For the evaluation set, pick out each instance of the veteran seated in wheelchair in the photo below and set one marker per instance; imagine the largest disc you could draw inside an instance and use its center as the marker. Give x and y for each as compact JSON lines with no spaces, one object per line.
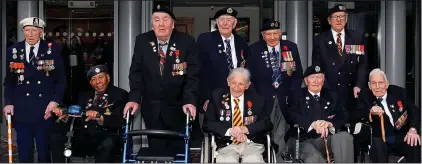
{"x":320,"y":117}
{"x":394,"y":121}
{"x":96,"y":134}
{"x":238,"y":119}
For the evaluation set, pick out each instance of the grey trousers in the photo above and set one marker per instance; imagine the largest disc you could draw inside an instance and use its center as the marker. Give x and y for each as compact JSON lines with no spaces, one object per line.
{"x":340,"y":146}
{"x":279,"y":129}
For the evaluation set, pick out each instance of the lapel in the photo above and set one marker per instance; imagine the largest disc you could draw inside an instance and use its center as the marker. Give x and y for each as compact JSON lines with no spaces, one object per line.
{"x":392,"y":105}
{"x":227,"y":115}
{"x":332,"y":49}
{"x":155,"y":54}
{"x":239,"y":50}
{"x":247,"y":102}
{"x":326,"y":102}
{"x":266,"y":57}
{"x":219,"y":44}
{"x":348,"y":40}
{"x":169,"y":59}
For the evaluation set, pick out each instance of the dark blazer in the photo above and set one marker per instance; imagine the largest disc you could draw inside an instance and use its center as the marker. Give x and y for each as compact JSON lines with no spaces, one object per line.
{"x":303,"y":109}
{"x":115,"y":98}
{"x":261,"y":72}
{"x":341,"y":73}
{"x":31,"y":96}
{"x":215,"y":69}
{"x":257,"y":128}
{"x":396,"y":97}
{"x":164,"y":94}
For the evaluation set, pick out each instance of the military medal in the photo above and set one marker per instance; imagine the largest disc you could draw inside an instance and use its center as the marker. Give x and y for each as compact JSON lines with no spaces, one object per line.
{"x":221,"y":114}
{"x":242,"y":64}
{"x":177,"y":52}
{"x":107,"y":112}
{"x":21,"y":56}
{"x":21,"y":78}
{"x":276,"y":84}
{"x":15,"y":56}
{"x":49,"y":48}
{"x":228,"y":115}
{"x":249,"y":108}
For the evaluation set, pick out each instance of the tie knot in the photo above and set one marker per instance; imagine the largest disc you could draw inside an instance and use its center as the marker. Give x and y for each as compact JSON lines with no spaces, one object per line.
{"x":236,"y":101}
{"x":273,"y":49}
{"x":32,"y":48}
{"x":339,"y":34}
{"x":380,"y":99}
{"x":227,"y":41}
{"x":162,"y":44}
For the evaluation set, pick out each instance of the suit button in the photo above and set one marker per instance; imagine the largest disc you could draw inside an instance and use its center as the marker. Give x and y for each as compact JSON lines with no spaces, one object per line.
{"x":273,"y":97}
{"x":350,"y":73}
{"x":339,"y":73}
{"x":85,"y":126}
{"x":351,"y":62}
{"x":334,"y":63}
{"x":338,"y":84}
{"x":27,"y":82}
{"x":27,"y":94}
{"x":40,"y":95}
{"x":350,"y":84}
{"x":39,"y":82}
{"x":227,"y":144}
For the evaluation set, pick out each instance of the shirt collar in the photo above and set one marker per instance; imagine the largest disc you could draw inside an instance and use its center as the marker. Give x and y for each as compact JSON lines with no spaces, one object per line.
{"x":313,"y":94}
{"x":231,"y":37}
{"x":384,"y":97}
{"x":167,"y":41}
{"x":240,"y":97}
{"x":35,"y":45}
{"x":335,"y":33}
{"x":277,"y":47}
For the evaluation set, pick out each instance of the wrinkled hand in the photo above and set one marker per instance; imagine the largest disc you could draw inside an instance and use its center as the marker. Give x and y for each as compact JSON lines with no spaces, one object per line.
{"x":322,"y":131}
{"x":412,"y":138}
{"x":58,"y":112}
{"x":129,"y":105}
{"x":236,"y":131}
{"x":192,"y":109}
{"x":321,"y":123}
{"x":244,"y":129}
{"x":377,"y":110}
{"x":50,"y":107}
{"x":205,"y":105}
{"x":63,"y":116}
{"x":242,"y":138}
{"x":7,"y":109}
{"x":356,"y":91}
{"x":92,"y":115}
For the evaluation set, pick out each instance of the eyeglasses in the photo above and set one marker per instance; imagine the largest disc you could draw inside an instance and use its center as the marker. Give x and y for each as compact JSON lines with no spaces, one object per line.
{"x":341,"y":17}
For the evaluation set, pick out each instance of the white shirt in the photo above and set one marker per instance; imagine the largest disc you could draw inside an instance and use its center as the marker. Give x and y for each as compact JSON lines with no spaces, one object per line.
{"x":341,"y":36}
{"x":28,"y":48}
{"x":386,"y":109}
{"x":277,"y":49}
{"x":332,"y":129}
{"x":233,"y":50}
{"x":241,"y":107}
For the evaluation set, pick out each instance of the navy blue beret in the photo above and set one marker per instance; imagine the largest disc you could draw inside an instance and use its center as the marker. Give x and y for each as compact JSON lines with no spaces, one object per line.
{"x":271,"y":25}
{"x":94,"y":70}
{"x":337,"y":8}
{"x":225,"y":11}
{"x":163,"y":10}
{"x":313,"y":69}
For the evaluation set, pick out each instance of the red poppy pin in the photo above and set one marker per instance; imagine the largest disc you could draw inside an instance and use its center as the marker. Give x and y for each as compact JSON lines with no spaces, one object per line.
{"x":249,"y":104}
{"x":400,"y":104}
{"x":50,"y":44}
{"x":177,"y":52}
{"x":285,"y":48}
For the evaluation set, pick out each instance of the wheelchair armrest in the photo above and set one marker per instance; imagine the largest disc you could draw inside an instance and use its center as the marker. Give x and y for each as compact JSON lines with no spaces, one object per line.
{"x":157,"y":133}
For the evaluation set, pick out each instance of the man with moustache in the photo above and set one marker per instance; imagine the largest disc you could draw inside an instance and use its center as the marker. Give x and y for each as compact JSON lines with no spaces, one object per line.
{"x":33,"y":88}
{"x":163,"y":79}
{"x":402,"y":120}
{"x":341,"y":52}
{"x":220,"y":52}
{"x":275,"y":67}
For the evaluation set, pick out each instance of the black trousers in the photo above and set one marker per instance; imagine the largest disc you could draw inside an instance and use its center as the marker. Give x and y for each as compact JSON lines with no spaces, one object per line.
{"x":381,"y":150}
{"x":163,"y":146}
{"x":361,"y":141}
{"x":103,"y":145}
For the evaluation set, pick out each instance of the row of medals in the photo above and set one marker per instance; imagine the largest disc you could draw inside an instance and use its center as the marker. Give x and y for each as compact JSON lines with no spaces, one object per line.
{"x":228,"y":112}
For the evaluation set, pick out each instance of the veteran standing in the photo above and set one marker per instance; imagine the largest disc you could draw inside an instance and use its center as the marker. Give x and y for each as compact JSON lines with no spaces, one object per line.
{"x":341,"y":53}
{"x":34,"y":87}
{"x":220,"y":51}
{"x":164,"y":74}
{"x":275,"y":67}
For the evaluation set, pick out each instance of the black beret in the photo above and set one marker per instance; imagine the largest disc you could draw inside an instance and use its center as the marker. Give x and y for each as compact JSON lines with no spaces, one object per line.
{"x":313,"y":69}
{"x":271,"y":25}
{"x":225,"y":11}
{"x":163,"y":10}
{"x":94,"y":70}
{"x":337,"y":8}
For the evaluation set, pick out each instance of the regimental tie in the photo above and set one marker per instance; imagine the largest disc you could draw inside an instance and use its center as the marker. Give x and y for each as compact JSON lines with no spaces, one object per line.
{"x":31,"y":55}
{"x":237,"y":119}
{"x":162,"y":57}
{"x":275,"y":62}
{"x":229,"y":54}
{"x":339,"y":44}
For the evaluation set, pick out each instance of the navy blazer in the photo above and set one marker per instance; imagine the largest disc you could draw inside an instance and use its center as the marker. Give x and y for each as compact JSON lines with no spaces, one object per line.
{"x":36,"y":87}
{"x":215,"y":69}
{"x":261,"y":72}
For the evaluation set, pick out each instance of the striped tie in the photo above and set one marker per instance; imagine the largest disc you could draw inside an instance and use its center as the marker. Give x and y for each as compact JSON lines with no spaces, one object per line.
{"x":229,"y":54}
{"x":237,"y":119}
{"x":339,"y":44}
{"x":162,"y":57}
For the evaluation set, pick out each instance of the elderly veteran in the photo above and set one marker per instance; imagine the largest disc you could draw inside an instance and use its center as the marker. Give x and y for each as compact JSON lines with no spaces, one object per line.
{"x":96,"y":136}
{"x":239,"y":119}
{"x":320,"y":115}
{"x":275,"y":67}
{"x":33,"y":87}
{"x":396,"y":120}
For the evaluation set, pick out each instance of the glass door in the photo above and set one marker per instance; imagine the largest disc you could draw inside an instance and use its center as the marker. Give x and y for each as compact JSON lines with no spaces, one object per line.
{"x":85,"y":32}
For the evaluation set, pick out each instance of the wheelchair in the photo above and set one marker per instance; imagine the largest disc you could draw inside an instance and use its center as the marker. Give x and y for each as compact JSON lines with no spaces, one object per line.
{"x":293,"y":156}
{"x":147,"y":157}
{"x":365,"y":149}
{"x":208,"y":146}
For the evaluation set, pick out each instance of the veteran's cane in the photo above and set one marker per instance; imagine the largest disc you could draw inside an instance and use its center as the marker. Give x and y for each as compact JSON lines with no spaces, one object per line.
{"x":9,"y":135}
{"x":326,"y":150}
{"x":382,"y":125}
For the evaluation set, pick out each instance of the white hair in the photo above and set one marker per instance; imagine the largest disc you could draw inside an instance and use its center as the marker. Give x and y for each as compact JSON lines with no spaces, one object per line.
{"x":240,"y":71}
{"x":375,"y":71}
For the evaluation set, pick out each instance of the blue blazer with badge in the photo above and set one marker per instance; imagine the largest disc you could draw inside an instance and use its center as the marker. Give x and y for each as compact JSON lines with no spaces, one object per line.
{"x":31,"y":86}
{"x":214,"y":71}
{"x":261,"y":71}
